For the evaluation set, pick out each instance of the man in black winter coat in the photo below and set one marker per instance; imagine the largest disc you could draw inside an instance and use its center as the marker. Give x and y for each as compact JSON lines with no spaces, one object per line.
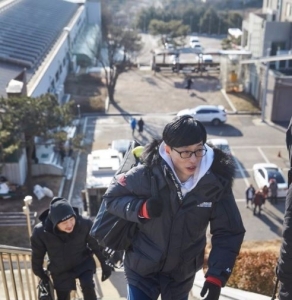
{"x":64,"y":236}
{"x":194,"y":190}
{"x":284,"y":270}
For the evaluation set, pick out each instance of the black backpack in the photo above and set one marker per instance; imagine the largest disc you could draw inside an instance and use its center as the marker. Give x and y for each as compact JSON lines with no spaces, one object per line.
{"x":112,"y":232}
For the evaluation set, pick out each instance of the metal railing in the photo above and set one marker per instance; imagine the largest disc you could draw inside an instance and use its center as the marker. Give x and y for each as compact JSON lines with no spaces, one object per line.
{"x":17,"y":279}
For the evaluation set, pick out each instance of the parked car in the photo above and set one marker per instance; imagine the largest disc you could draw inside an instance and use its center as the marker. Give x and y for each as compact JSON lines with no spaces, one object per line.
{"x":197,"y":47}
{"x":194,"y":40}
{"x":221,"y":144}
{"x":264,"y":172}
{"x":206,"y":114}
{"x":205,"y":58}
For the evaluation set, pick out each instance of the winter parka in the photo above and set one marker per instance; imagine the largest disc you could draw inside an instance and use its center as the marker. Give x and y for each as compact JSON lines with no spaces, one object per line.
{"x":69,"y":254}
{"x":173,"y":244}
{"x":285,"y":260}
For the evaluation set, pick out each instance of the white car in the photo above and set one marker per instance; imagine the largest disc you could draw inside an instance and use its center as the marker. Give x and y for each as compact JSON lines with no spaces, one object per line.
{"x":221,"y":144}
{"x":264,"y":172}
{"x":101,"y":167}
{"x":197,"y":47}
{"x":194,"y":40}
{"x":206,"y":114}
{"x":205,"y":58}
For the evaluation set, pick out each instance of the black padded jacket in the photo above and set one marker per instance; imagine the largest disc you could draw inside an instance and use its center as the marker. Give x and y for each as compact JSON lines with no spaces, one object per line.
{"x":173,"y":244}
{"x":69,"y":254}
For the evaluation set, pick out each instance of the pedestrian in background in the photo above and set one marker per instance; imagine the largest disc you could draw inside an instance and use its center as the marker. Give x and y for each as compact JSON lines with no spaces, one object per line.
{"x":258,"y":201}
{"x":273,"y":187}
{"x":133,"y":123}
{"x":265,"y":191}
{"x":64,"y":236}
{"x":140,"y":125}
{"x":189,"y":84}
{"x":249,"y":194}
{"x":194,"y":190}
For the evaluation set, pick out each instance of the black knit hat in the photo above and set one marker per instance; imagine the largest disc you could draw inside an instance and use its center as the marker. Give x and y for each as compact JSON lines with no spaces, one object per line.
{"x":184,"y":131}
{"x":60,"y":210}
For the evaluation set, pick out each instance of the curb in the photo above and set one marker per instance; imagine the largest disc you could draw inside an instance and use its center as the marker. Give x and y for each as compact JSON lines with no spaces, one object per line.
{"x":227,"y":293}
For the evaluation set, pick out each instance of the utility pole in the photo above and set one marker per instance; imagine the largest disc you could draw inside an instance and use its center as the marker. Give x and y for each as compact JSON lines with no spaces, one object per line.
{"x":219,"y":26}
{"x":264,"y":99}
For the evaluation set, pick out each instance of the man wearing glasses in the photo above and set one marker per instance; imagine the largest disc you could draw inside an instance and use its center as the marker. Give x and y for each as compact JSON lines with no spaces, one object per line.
{"x":194,"y":190}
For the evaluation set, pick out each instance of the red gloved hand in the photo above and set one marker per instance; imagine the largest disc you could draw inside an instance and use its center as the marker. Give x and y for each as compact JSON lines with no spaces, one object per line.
{"x":152,"y":208}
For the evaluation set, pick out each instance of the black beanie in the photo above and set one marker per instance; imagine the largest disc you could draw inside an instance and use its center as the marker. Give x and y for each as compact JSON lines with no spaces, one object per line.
{"x":60,"y":210}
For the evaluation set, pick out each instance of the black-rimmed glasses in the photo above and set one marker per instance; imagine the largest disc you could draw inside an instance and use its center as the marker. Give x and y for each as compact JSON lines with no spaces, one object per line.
{"x":187,"y":154}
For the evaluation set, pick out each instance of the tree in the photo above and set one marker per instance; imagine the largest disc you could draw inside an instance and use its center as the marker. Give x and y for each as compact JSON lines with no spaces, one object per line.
{"x":24,"y":118}
{"x":175,"y":31}
{"x":119,"y":44}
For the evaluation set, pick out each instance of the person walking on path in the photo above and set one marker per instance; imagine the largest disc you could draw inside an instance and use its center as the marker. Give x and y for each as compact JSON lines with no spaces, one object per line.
{"x":284,"y":266}
{"x":64,"y":236}
{"x":189,"y":84}
{"x":273,"y":187}
{"x":194,"y":190}
{"x":249,"y":194}
{"x":265,"y":191}
{"x":140,"y":125}
{"x":258,"y":201}
{"x":133,"y":123}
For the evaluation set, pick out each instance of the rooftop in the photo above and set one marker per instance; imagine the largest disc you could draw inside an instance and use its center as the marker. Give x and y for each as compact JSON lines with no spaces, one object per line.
{"x":22,"y":43}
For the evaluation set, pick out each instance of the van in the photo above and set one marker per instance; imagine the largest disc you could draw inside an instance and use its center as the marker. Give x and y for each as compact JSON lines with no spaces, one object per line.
{"x":205,"y":58}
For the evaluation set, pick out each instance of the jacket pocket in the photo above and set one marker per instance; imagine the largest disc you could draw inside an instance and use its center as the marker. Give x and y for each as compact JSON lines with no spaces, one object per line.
{"x":141,"y":264}
{"x":188,"y":268}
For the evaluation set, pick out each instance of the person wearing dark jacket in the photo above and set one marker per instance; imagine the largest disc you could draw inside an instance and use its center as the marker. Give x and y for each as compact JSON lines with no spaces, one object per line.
{"x":194,"y":190}
{"x":284,"y":267}
{"x":64,"y":236}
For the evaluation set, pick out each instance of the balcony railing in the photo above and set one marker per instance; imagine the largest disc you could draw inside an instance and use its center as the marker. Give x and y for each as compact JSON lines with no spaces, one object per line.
{"x":17,"y":279}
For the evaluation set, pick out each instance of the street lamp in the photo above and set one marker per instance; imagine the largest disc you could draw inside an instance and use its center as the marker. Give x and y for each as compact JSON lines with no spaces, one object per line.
{"x":79,"y":113}
{"x":27,"y":202}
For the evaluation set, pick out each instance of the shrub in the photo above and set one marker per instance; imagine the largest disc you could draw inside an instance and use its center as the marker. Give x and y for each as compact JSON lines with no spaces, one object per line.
{"x":254,"y":272}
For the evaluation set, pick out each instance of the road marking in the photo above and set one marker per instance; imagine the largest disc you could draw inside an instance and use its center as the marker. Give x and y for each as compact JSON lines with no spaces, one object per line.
{"x":240,"y":169}
{"x":263,"y":155}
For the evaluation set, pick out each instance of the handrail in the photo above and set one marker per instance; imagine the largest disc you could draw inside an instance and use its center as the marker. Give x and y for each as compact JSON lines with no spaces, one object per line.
{"x":18,"y":281}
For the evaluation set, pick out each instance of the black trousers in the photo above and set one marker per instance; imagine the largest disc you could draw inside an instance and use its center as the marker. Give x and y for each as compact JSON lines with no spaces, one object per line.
{"x":87,"y":286}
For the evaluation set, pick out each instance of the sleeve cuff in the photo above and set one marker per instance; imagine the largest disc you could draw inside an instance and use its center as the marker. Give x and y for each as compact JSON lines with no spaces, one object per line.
{"x":143,"y":213}
{"x":214,"y":280}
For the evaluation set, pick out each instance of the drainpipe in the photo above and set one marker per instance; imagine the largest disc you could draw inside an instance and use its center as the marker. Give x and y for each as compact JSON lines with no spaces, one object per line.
{"x":264,"y":99}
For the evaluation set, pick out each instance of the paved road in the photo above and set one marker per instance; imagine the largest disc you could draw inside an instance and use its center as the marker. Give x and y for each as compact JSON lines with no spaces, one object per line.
{"x":157,"y":99}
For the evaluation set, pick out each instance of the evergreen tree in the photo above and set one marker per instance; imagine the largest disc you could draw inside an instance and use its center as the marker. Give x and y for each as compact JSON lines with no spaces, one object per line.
{"x":24,"y":118}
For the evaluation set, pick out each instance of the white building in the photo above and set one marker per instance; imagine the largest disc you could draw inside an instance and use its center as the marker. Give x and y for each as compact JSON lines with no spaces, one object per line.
{"x":38,"y":39}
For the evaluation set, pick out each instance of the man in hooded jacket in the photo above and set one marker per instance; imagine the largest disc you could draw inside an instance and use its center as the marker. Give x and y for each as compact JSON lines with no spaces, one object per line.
{"x":284,"y":269}
{"x":194,"y":190}
{"x":64,"y":236}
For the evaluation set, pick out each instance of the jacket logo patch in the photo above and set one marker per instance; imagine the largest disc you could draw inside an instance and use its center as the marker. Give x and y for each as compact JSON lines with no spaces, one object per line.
{"x":205,"y":204}
{"x":121,"y":179}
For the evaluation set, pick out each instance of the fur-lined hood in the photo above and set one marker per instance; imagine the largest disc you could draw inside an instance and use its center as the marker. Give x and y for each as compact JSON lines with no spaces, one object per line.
{"x":223,"y":165}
